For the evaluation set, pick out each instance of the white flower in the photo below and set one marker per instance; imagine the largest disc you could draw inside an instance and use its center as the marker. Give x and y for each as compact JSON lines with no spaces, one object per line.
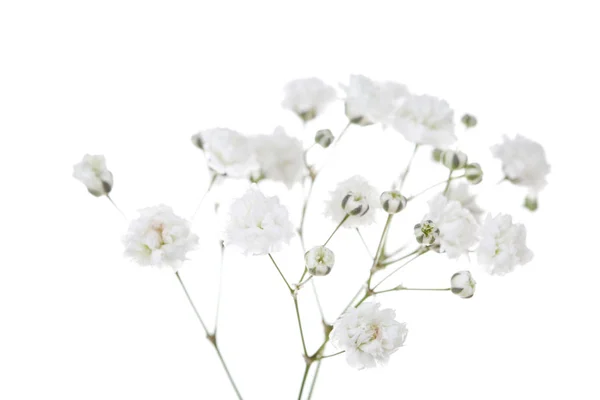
{"x":369,"y":102}
{"x":463,"y":284}
{"x":92,"y":172}
{"x":281,"y":157}
{"x":502,"y":245}
{"x":258,"y":224}
{"x":307,"y":97}
{"x":159,"y":238}
{"x":319,"y":260}
{"x":360,"y":188}
{"x":458,"y":227}
{"x":461,"y":193}
{"x":523,"y":162}
{"x":228,"y":152}
{"x":426,"y":120}
{"x":368,"y":335}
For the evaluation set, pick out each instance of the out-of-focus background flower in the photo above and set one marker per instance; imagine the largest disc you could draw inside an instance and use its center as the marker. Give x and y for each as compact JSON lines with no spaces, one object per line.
{"x":133,"y":80}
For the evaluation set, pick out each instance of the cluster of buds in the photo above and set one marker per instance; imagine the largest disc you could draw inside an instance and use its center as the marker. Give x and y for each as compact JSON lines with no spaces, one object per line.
{"x":426,"y":232}
{"x":462,"y":284}
{"x":392,"y":202}
{"x":319,"y":260}
{"x":455,"y":160}
{"x":324,"y":138}
{"x":355,"y":204}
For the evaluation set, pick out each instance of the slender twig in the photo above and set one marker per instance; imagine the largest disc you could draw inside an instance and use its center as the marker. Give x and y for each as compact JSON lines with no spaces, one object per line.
{"x":407,"y":170}
{"x":281,"y":273}
{"x":213,"y":179}
{"x":311,"y":185}
{"x":314,"y":287}
{"x":116,"y":206}
{"x":220,"y":287}
{"x":386,"y":263}
{"x":432,"y":186}
{"x":302,"y":283}
{"x":379,"y":251}
{"x":312,"y":385}
{"x":211,"y":337}
{"x":400,"y":267}
{"x":332,"y":355}
{"x":306,"y":369}
{"x":364,"y":243}
{"x":336,"y":229}
{"x":398,"y":288}
{"x":448,"y":182}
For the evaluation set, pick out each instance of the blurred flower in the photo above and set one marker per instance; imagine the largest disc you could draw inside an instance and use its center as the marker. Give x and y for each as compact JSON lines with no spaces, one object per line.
{"x":458,"y":227}
{"x":280,"y":157}
{"x":324,"y":138}
{"x":370,"y":102}
{"x":425,"y":120}
{"x":258,"y":224}
{"x":469,"y":120}
{"x":227,"y":152}
{"x":461,"y":192}
{"x":92,"y":172}
{"x":503,"y":245}
{"x":523,"y":162}
{"x":473,"y":173}
{"x":368,"y":335}
{"x":359,"y":188}
{"x":307,"y":97}
{"x":159,"y":238}
{"x":463,"y":284}
{"x":319,"y":260}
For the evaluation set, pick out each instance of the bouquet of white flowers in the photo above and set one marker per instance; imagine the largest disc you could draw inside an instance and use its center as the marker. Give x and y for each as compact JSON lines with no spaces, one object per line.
{"x":259,"y":225}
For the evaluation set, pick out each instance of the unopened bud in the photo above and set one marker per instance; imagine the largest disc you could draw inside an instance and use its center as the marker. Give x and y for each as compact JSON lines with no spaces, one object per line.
{"x":308,"y":115}
{"x":355,"y":204}
{"x":463,"y":284}
{"x":454,"y":159}
{"x":324,"y":137}
{"x":474,"y":173}
{"x":319,"y":260}
{"x":426,"y":232}
{"x":531,"y":203}
{"x":436,"y":155}
{"x":469,"y":120}
{"x":197,"y":141}
{"x":392,"y":202}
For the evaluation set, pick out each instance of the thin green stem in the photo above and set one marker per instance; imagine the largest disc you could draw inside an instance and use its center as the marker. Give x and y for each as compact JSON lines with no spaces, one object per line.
{"x":312,"y":385}
{"x":314,"y":287}
{"x":300,"y":325}
{"x":213,"y":179}
{"x":398,"y":288}
{"x":306,"y":369}
{"x":401,"y":266}
{"x":304,"y":208}
{"x":280,"y":273}
{"x":407,"y":170}
{"x":448,"y":182}
{"x":364,"y":243}
{"x":386,"y":263}
{"x":332,"y":355}
{"x":336,"y":228}
{"x":432,"y":186}
{"x":116,"y":206}
{"x":379,"y":251}
{"x":220,"y":287}
{"x":212,"y":338}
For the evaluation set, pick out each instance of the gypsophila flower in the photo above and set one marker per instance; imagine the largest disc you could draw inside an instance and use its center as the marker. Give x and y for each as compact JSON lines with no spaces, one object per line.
{"x":324,"y":138}
{"x":319,"y":260}
{"x":523,"y":162}
{"x":425,"y":120}
{"x":462,"y":284}
{"x":473,"y":173}
{"x":503,"y":245}
{"x":368,"y":335}
{"x":359,"y":187}
{"x":392,"y":202}
{"x":453,"y":159}
{"x":281,"y":157}
{"x":92,"y":172}
{"x":369,"y":102}
{"x":159,"y":238}
{"x":426,"y":232}
{"x":258,"y":224}
{"x":458,"y":227}
{"x":227,"y":152}
{"x":307,"y":97}
{"x":461,"y":192}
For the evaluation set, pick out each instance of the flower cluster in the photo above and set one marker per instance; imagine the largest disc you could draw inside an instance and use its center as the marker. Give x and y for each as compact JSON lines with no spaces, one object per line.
{"x":260,"y":225}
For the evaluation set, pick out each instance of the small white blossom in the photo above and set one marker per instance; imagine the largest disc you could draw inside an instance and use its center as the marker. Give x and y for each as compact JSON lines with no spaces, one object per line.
{"x":458,"y":227}
{"x":503,"y":245}
{"x":523,"y":162}
{"x":227,"y":152}
{"x":319,"y":260}
{"x":258,"y":224}
{"x":461,"y":192}
{"x":92,"y":172}
{"x":360,"y":188}
{"x":369,"y":102}
{"x":368,"y":335}
{"x":280,"y":157}
{"x":307,"y":97}
{"x":463,"y":284}
{"x":159,"y":238}
{"x":426,"y":120}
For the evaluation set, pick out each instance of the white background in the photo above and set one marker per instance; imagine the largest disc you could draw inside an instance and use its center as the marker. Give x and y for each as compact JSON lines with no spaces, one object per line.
{"x":133,"y":80}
